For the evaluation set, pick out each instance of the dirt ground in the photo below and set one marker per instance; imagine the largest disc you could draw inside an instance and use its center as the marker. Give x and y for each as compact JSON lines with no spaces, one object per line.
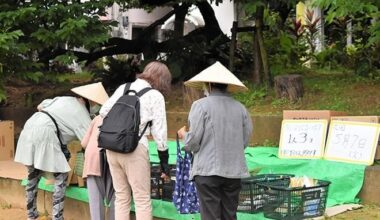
{"x":12,"y":213}
{"x":368,"y":212}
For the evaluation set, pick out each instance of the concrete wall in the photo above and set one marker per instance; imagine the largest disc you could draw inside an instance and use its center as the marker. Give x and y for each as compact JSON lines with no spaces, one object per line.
{"x":370,"y":192}
{"x":13,"y":193}
{"x":266,"y":129}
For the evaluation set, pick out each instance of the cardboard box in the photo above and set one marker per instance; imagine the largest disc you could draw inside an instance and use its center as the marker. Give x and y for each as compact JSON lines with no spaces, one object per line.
{"x":311,"y":114}
{"x":73,"y":179}
{"x":74,"y":147}
{"x":368,"y":119}
{"x":7,"y":141}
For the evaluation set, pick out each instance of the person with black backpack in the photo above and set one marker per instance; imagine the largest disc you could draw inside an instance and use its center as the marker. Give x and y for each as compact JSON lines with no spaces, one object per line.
{"x":134,"y":110}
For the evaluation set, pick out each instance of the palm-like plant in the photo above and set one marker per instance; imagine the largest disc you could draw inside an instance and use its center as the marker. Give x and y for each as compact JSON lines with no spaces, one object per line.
{"x":312,"y":26}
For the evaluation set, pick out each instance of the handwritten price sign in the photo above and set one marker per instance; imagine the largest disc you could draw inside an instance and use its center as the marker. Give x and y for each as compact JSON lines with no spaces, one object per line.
{"x":303,"y":139}
{"x":353,"y":142}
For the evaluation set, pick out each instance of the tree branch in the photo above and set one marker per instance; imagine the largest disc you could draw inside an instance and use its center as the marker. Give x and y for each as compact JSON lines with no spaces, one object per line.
{"x":142,"y":44}
{"x":208,"y":14}
{"x":152,"y":27}
{"x":155,"y":2}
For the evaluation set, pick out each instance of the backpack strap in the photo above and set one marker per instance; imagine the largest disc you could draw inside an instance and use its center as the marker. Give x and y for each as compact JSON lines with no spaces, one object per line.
{"x":148,"y":124}
{"x":143,"y":91}
{"x":139,"y":94}
{"x":127,"y":87}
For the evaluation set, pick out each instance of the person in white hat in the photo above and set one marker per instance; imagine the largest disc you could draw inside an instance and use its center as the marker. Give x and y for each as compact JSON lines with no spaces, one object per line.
{"x":219,"y":131}
{"x":97,"y":186}
{"x":42,"y":144}
{"x":94,"y":93}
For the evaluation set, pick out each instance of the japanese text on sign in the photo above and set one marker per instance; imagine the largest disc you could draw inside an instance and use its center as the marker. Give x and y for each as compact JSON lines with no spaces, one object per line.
{"x":302,"y":138}
{"x":354,"y":142}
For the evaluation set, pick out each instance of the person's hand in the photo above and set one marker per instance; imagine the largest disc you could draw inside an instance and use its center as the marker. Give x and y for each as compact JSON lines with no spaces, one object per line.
{"x":39,"y":108}
{"x":181,"y":132}
{"x":165,"y":177}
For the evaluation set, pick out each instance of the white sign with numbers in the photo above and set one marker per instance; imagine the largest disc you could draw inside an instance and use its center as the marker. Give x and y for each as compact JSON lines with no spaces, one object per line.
{"x":302,"y":139}
{"x":353,"y":142}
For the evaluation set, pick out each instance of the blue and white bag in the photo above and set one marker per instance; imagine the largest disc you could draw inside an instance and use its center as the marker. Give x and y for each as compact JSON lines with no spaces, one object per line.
{"x":185,"y":196}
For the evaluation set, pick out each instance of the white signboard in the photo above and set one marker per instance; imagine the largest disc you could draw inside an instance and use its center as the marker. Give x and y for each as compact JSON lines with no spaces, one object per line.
{"x":353,"y":142}
{"x":302,"y":139}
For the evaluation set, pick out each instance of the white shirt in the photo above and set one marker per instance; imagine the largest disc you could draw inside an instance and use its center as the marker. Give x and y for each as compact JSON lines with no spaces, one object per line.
{"x":152,"y":108}
{"x":38,"y":144}
{"x":72,"y":116}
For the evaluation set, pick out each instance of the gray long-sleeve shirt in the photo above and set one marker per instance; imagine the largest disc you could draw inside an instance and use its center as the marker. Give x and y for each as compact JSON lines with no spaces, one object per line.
{"x":220,"y":128}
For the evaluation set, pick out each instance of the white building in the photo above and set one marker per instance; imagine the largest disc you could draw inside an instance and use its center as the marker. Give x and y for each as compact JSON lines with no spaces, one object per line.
{"x":133,"y":21}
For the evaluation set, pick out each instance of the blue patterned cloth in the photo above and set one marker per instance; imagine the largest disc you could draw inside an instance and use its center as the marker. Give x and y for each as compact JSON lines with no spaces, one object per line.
{"x":185,"y":196}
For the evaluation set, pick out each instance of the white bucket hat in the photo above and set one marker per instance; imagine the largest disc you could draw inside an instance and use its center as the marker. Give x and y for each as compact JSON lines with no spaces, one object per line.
{"x":94,"y":92}
{"x":216,"y":73}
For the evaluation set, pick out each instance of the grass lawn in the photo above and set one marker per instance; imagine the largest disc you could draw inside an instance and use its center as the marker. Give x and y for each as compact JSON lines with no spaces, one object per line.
{"x":323,"y":91}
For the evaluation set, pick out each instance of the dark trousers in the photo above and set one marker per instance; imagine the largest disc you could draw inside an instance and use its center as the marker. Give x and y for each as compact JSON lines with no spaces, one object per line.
{"x":218,"y":197}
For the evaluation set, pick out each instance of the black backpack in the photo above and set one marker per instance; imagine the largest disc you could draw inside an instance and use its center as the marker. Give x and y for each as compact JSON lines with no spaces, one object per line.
{"x":120,"y":129}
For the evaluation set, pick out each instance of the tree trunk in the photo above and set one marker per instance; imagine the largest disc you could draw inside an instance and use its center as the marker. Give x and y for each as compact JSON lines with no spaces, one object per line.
{"x":259,"y":21}
{"x":232,"y":46}
{"x":289,"y":87}
{"x":256,"y":77}
{"x":179,"y":22}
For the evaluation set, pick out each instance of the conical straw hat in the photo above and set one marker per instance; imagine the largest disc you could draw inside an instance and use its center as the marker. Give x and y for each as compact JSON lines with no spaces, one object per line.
{"x":94,"y":92}
{"x":216,"y":73}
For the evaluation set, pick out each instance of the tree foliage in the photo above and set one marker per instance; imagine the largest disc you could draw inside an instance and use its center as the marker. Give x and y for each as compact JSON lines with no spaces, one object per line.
{"x":362,"y":56}
{"x":35,"y":33}
{"x":47,"y":26}
{"x":257,"y":10}
{"x":354,"y":9}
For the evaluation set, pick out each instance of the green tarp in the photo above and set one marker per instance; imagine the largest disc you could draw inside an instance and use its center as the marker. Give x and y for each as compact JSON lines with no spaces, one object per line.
{"x":346,"y":179}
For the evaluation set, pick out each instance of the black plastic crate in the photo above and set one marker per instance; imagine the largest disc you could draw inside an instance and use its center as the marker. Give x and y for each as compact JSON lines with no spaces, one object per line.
{"x":251,"y":197}
{"x":167,"y":190}
{"x":168,"y":187}
{"x":155,"y":181}
{"x":284,"y":202}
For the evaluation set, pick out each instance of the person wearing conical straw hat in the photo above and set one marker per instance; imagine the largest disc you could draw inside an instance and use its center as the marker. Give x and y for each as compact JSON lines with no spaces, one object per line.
{"x":42,"y":144}
{"x":99,"y":181}
{"x":95,"y":93}
{"x":219,"y":131}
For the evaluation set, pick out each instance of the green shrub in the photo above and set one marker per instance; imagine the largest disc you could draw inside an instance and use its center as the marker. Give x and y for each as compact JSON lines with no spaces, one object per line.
{"x":329,"y":58}
{"x":253,"y":96}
